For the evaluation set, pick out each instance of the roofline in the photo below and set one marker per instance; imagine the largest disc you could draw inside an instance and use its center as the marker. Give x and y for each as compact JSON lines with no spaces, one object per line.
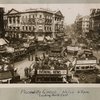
{"x":40,"y":10}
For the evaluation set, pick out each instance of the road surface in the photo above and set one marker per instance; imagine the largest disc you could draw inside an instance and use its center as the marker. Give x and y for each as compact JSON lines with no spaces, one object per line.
{"x":21,"y":65}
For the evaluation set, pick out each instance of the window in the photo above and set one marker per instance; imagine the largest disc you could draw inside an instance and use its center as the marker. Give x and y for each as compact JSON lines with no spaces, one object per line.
{"x":26,"y":18}
{"x":77,"y":67}
{"x":14,"y":28}
{"x":22,"y":18}
{"x":14,"y":20}
{"x":26,"y":28}
{"x":18,"y":28}
{"x":29,"y":16}
{"x":10,"y":27}
{"x":82,"y":67}
{"x":18,"y":21}
{"x":50,"y":21}
{"x":45,"y":28}
{"x":91,"y":67}
{"x":50,"y":28}
{"x":33,"y":28}
{"x":23,"y":27}
{"x":87,"y":67}
{"x":30,"y":28}
{"x":33,"y":16}
{"x":40,"y":34}
{"x":47,"y":17}
{"x":40,"y":16}
{"x":10,"y":20}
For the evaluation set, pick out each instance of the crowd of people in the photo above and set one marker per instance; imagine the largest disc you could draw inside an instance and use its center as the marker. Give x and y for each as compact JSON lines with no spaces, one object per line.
{"x":48,"y":63}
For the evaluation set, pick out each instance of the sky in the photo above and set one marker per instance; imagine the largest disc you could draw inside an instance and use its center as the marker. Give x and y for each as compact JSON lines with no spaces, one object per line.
{"x":70,"y":11}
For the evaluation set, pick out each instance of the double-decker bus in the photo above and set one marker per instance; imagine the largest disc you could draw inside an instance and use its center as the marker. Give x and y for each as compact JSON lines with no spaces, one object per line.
{"x":13,"y":54}
{"x":85,"y":66}
{"x":50,"y":76}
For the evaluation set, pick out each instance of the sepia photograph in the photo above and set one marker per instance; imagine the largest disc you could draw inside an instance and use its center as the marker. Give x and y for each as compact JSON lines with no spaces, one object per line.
{"x":50,"y":43}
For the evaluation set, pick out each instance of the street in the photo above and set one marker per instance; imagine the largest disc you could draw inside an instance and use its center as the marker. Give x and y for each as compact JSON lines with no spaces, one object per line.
{"x":21,"y":65}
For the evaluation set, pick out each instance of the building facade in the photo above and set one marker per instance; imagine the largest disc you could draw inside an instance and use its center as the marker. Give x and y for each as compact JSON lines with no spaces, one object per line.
{"x":78,"y":24}
{"x":83,"y":24}
{"x":33,"y":22}
{"x":95,"y":19}
{"x":2,"y":32}
{"x":95,"y":24}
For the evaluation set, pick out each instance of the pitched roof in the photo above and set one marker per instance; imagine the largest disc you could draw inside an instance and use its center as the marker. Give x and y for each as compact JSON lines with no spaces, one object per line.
{"x":12,"y":11}
{"x":59,"y":13}
{"x":2,"y":41}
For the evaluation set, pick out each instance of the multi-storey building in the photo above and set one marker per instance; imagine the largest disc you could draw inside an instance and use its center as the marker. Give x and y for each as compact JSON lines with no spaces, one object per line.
{"x":34,"y":22}
{"x":78,"y":24}
{"x":95,"y":25}
{"x":12,"y":24}
{"x":82,"y":24}
{"x":2,"y":33}
{"x":95,"y":20}
{"x":85,"y":24}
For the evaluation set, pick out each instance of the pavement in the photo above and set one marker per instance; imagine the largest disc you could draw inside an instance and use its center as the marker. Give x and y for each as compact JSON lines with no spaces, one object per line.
{"x":21,"y":66}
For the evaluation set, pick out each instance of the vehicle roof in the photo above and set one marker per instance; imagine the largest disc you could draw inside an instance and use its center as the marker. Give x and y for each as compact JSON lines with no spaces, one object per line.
{"x":5,"y":75}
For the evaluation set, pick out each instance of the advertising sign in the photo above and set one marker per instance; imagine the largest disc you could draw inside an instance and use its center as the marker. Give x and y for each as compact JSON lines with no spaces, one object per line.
{"x":86,"y":61}
{"x":51,"y":71}
{"x":70,"y":48}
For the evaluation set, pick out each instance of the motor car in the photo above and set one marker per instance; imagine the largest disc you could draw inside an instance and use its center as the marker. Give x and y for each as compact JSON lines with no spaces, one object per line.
{"x":8,"y":74}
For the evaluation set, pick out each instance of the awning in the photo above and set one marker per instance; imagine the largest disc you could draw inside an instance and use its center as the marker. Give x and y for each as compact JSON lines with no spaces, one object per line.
{"x":65,"y":40}
{"x":2,"y":42}
{"x":60,"y":34}
{"x":82,"y":45}
{"x":31,"y":37}
{"x":84,"y":65}
{"x":40,"y":38}
{"x":10,"y":49}
{"x":48,"y":38}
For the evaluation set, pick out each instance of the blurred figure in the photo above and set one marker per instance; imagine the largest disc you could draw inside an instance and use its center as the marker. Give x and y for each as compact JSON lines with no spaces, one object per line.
{"x":26,"y":72}
{"x":36,"y":58}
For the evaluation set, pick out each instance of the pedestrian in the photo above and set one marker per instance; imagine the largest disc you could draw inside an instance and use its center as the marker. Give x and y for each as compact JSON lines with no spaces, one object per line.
{"x":32,"y":57}
{"x":99,"y":61}
{"x":43,"y":55}
{"x":36,"y":58}
{"x":29,"y":56}
{"x":26,"y":72}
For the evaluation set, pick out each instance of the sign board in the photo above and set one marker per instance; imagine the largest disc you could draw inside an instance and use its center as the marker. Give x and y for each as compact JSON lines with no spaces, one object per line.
{"x":86,"y":62}
{"x":70,"y":48}
{"x":10,"y":49}
{"x":52,"y":72}
{"x":26,"y":45}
